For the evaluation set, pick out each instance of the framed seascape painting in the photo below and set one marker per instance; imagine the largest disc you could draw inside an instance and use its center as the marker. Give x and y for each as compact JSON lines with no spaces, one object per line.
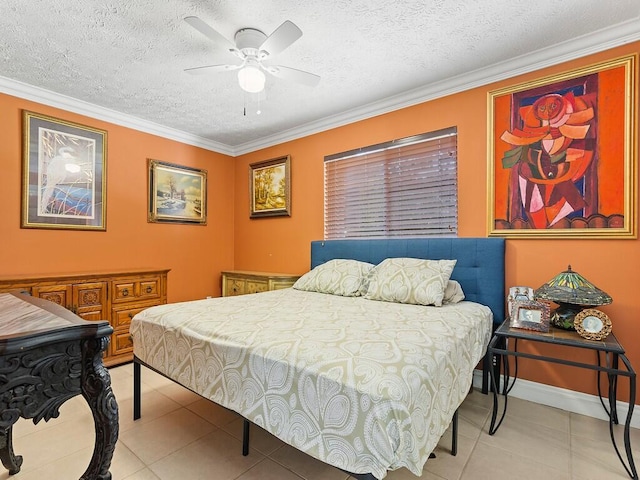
{"x":177,"y":194}
{"x":563,"y":154}
{"x":270,"y":188}
{"x":64,"y":173}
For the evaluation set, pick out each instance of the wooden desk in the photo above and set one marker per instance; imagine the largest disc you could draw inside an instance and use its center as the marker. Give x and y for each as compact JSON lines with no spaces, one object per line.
{"x":47,"y":356}
{"x":505,"y":343}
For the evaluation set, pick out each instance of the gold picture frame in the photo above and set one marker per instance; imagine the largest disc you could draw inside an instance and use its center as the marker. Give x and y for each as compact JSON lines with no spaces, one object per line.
{"x":177,"y":194}
{"x":270,"y":188}
{"x":64,"y":174}
{"x":532,"y":315}
{"x":563,"y":154}
{"x":592,"y":324}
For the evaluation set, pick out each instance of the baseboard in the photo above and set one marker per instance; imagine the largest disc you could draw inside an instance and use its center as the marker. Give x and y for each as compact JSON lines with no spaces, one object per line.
{"x":564,"y":399}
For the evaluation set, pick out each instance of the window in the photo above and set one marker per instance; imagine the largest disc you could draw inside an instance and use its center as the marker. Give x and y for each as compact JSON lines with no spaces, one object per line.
{"x":402,"y":188}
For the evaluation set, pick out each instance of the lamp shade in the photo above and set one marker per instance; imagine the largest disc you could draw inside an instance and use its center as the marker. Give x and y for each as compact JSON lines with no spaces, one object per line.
{"x":251,"y":79}
{"x":572,"y":288}
{"x":572,"y":292}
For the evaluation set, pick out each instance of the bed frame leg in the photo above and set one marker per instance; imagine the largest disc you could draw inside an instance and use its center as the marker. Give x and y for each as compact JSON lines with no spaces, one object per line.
{"x":454,"y":434}
{"x":245,"y":437}
{"x":136,"y":389}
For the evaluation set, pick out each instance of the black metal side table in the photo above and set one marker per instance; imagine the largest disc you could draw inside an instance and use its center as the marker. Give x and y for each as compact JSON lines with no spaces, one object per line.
{"x":500,"y":347}
{"x":47,"y":356}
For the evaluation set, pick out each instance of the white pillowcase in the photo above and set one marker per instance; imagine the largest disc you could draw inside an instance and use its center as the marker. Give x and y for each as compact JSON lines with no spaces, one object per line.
{"x":337,"y":277}
{"x":410,"y":280}
{"x":452,"y":293}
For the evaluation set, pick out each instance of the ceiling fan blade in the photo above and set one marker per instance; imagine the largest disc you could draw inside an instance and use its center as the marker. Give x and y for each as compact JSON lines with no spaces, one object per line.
{"x":288,"y":73}
{"x":281,"y":38}
{"x":211,"y":69}
{"x":209,"y":32}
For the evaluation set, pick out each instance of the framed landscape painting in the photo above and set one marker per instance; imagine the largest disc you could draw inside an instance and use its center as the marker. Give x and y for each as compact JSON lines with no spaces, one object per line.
{"x":177,"y":194}
{"x":64,"y":173}
{"x":563,"y":154}
{"x":270,"y":188}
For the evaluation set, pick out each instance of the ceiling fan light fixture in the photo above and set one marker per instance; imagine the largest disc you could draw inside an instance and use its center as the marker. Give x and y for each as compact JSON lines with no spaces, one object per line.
{"x":251,"y":79}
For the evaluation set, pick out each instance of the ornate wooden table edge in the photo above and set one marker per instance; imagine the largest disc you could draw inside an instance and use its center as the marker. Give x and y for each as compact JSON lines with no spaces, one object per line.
{"x":47,"y":356}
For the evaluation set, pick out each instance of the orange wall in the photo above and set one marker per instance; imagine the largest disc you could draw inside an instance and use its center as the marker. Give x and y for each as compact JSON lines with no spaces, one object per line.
{"x":281,"y":244}
{"x":195,"y":254}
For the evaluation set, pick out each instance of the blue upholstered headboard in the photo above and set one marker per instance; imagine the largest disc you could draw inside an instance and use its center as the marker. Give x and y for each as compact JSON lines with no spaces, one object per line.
{"x":479,"y":267}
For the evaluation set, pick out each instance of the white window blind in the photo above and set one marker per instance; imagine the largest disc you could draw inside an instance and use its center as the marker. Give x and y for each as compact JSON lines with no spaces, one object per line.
{"x":402,"y":188}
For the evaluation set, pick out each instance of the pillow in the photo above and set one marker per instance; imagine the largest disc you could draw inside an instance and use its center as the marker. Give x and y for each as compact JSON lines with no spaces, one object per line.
{"x":337,"y":277}
{"x":452,"y":293}
{"x":410,"y":280}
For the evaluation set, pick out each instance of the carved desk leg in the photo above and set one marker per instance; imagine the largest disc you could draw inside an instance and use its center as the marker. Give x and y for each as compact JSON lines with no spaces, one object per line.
{"x":10,"y":461}
{"x":96,"y":389}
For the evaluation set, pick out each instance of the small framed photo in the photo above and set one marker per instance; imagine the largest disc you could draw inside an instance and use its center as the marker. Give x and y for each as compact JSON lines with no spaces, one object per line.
{"x":270,"y":186}
{"x":518,"y":294}
{"x":530,"y":315}
{"x":592,"y":324}
{"x":177,"y":194}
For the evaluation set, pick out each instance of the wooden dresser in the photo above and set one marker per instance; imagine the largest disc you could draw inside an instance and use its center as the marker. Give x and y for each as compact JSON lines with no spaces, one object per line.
{"x":238,"y":282}
{"x":113,"y":296}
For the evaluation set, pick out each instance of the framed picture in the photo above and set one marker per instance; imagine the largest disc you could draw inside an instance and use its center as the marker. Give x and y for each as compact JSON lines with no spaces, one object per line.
{"x":518,"y":294}
{"x":64,"y":174}
{"x":177,"y":194}
{"x":563,"y":154}
{"x":592,"y":324}
{"x":270,"y":188}
{"x":530,"y":315}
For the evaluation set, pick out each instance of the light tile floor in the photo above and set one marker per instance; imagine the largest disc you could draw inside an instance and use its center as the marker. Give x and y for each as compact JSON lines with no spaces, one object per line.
{"x":184,"y":437}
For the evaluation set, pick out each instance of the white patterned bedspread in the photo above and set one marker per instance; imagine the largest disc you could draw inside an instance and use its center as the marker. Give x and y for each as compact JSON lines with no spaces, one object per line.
{"x":363,"y":385}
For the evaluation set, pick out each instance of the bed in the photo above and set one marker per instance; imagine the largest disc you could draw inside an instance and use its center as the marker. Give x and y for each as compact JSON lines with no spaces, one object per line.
{"x":364,"y":385}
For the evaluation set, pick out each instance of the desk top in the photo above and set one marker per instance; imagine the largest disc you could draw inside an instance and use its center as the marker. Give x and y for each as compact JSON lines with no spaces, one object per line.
{"x":25,"y":319}
{"x":559,"y":336}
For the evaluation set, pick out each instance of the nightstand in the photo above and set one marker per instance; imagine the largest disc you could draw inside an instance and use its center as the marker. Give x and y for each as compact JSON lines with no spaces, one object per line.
{"x":239,"y":282}
{"x":505,"y":343}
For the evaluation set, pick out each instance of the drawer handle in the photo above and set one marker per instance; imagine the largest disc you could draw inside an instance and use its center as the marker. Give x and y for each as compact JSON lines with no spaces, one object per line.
{"x":125,"y":292}
{"x":149,"y":289}
{"x":130,"y":315}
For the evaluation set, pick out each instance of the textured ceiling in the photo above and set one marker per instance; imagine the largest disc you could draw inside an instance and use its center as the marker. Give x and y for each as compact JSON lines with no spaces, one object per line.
{"x":124,"y":60}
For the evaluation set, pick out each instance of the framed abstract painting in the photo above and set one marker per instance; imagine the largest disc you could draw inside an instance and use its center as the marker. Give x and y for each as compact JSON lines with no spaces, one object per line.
{"x":563,"y":154}
{"x":64,"y":174}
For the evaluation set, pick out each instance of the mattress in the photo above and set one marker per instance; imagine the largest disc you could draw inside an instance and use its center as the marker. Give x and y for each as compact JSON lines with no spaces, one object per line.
{"x":363,"y":385}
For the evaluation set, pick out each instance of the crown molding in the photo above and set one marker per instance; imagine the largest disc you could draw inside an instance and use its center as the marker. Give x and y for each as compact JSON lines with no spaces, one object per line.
{"x":64,"y":102}
{"x":579,"y":47}
{"x":595,"y":42}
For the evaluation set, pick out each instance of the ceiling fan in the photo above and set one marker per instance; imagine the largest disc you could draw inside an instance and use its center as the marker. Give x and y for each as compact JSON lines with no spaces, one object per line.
{"x":253,"y":48}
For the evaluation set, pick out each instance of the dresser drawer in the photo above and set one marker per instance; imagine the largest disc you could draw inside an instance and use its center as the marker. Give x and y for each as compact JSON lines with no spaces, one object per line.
{"x":233,"y":286}
{"x":143,"y":289}
{"x":256,"y":286}
{"x":121,"y":318}
{"x":121,"y":342}
{"x":150,"y":288}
